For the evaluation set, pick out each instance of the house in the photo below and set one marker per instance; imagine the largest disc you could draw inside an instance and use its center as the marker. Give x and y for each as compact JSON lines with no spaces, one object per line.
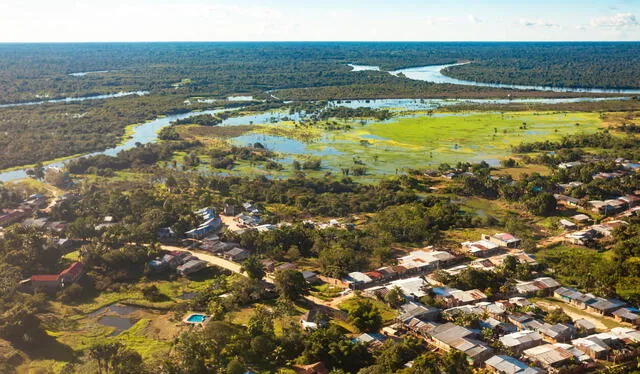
{"x":236,"y":254}
{"x":247,"y":220}
{"x":495,"y":310}
{"x":549,"y":356}
{"x":207,"y":227}
{"x":582,"y":219}
{"x":313,"y":319}
{"x":521,"y":340}
{"x":191,"y":266}
{"x":499,"y":326}
{"x":504,"y":240}
{"x":569,"y":165}
{"x":583,"y":237}
{"x":265,"y":227}
{"x":421,"y":260}
{"x":567,"y":225}
{"x":542,"y":284}
{"x":11,"y":216}
{"x":317,"y":368}
{"x":584,"y":326}
{"x":552,"y":333}
{"x":481,"y":248}
{"x":521,"y":256}
{"x":519,"y":301}
{"x":604,"y":207}
{"x":567,"y":200}
{"x":412,"y":310}
{"x":519,"y":320}
{"x":504,"y":364}
{"x":451,"y":336}
{"x":43,"y":283}
{"x":357,"y":280}
{"x":72,"y":274}
{"x":630,"y":200}
{"x":568,"y":186}
{"x":172,"y":261}
{"x":628,"y":315}
{"x":373,"y":341}
{"x":467,"y":297}
{"x":578,"y":355}
{"x":627,"y":335}
{"x":573,"y":297}
{"x":412,"y":288}
{"x":158,"y":265}
{"x":53,"y":282}
{"x":451,"y":314}
{"x":310,"y":276}
{"x":596,"y":346}
{"x":285,"y":266}
{"x":604,"y":306}
{"x":420,"y":327}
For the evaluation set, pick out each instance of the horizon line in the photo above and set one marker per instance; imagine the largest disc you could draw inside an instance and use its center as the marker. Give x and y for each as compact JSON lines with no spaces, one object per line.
{"x":320,"y":41}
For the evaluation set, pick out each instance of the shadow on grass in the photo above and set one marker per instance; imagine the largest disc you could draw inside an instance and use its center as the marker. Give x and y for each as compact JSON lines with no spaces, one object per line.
{"x":48,"y":348}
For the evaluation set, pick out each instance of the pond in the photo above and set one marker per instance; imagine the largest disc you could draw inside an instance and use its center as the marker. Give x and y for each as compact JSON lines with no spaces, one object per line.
{"x":119,"y":324}
{"x":118,"y":316}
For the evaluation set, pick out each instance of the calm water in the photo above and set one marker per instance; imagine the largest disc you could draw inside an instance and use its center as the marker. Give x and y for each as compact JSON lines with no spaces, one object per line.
{"x":116,"y":316}
{"x":355,"y":67}
{"x":83,"y":73}
{"x":434,"y":74}
{"x":429,"y":104}
{"x":76,"y":99}
{"x":282,"y":144}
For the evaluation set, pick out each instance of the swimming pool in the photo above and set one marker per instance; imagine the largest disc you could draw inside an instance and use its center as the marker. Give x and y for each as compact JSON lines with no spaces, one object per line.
{"x":196,"y":318}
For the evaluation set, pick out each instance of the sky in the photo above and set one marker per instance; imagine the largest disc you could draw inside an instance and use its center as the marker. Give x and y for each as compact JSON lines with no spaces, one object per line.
{"x":320,"y":20}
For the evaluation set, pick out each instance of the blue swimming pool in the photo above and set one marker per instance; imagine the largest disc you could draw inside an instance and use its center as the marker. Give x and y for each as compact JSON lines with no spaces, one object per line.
{"x":196,"y":318}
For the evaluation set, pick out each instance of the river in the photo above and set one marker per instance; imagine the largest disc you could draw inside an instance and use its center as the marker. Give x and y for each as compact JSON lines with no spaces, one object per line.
{"x":143,"y":134}
{"x":75,"y":99}
{"x":433,"y":74}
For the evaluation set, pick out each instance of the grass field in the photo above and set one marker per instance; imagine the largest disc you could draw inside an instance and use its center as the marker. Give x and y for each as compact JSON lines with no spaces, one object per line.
{"x":414,"y":140}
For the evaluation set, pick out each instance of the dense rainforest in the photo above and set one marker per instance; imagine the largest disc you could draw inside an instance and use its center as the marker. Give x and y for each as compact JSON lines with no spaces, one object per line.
{"x":223,"y":68}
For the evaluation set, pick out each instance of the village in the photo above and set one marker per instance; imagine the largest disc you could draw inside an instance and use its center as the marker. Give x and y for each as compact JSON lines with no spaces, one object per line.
{"x":535,"y":325}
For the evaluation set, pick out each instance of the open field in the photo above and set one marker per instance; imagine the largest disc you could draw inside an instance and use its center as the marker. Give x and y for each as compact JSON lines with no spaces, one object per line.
{"x":416,"y":140}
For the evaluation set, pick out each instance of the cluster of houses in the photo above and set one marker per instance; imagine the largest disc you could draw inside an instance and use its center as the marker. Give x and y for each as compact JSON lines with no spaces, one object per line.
{"x":23,"y":211}
{"x":533,"y":345}
{"x":627,"y":204}
{"x":210,"y":223}
{"x":417,"y":262}
{"x":618,"y":309}
{"x":179,"y":261}
{"x":489,"y":245}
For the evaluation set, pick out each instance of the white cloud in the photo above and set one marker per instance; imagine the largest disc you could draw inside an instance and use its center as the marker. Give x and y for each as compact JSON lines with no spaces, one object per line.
{"x":537,"y":23}
{"x":474,"y":19}
{"x":618,"y":21}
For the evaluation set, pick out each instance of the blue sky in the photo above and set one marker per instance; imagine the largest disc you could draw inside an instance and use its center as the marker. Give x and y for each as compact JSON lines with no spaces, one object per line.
{"x":346,"y":20}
